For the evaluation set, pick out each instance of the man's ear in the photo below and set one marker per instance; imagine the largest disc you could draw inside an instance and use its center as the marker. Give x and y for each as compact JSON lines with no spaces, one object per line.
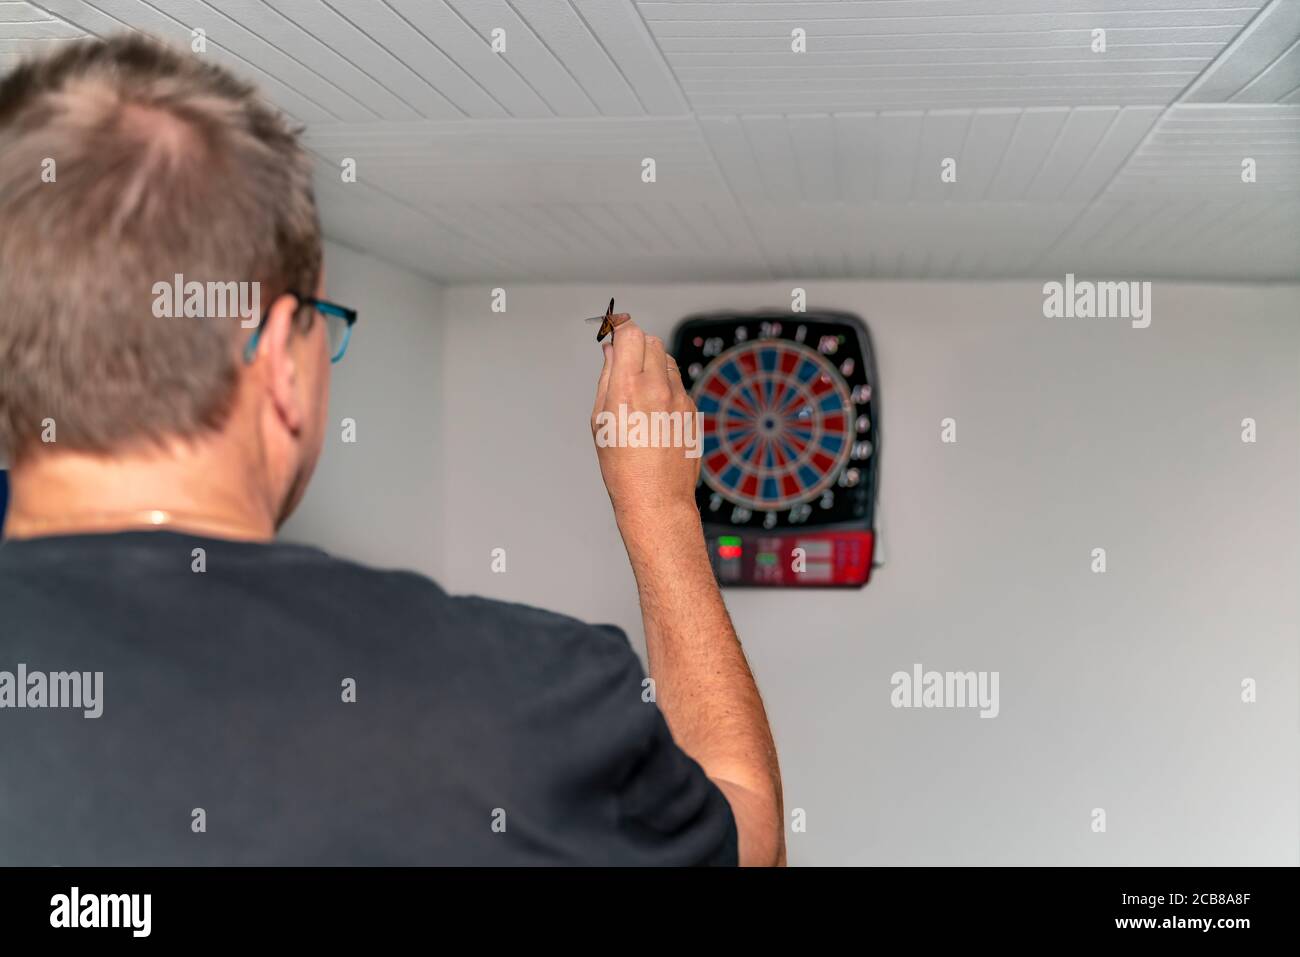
{"x":273,"y":356}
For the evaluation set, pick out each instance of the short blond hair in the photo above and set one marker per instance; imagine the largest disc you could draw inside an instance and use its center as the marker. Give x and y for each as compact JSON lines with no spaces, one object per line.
{"x":162,"y":164}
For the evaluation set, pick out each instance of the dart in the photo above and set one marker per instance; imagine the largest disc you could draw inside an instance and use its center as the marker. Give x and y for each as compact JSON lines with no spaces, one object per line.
{"x":606,"y":322}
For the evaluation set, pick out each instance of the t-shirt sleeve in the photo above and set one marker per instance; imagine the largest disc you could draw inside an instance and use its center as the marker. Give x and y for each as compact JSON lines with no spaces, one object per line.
{"x":619,"y":789}
{"x":668,"y":808}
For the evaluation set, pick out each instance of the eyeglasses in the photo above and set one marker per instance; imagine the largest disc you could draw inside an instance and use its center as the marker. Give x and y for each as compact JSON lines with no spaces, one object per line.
{"x":339,"y":321}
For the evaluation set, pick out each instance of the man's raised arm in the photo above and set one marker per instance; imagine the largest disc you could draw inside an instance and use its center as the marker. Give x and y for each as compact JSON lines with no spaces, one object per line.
{"x":703,"y":684}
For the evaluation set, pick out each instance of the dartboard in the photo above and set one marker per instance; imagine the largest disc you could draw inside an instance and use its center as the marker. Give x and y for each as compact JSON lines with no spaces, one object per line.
{"x":777,"y":420}
{"x":789,"y":410}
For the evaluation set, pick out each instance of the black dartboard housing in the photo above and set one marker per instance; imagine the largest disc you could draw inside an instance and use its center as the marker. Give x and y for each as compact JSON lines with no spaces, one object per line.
{"x":790,"y":471}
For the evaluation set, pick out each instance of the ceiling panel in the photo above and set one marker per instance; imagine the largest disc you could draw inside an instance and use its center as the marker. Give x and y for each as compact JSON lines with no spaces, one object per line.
{"x":557,"y":25}
{"x":416,"y":59}
{"x":236,"y":47}
{"x":1048,"y":154}
{"x":940,"y":53}
{"x":28,"y":30}
{"x":1198,"y":151}
{"x":907,"y":240}
{"x":1182,"y":238}
{"x":477,"y":163}
{"x":1261,"y":65}
{"x":528,"y":56}
{"x":536,"y":161}
{"x":624,"y":36}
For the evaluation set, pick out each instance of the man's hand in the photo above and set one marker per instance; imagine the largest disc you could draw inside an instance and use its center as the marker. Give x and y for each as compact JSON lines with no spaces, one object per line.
{"x":639,"y":376}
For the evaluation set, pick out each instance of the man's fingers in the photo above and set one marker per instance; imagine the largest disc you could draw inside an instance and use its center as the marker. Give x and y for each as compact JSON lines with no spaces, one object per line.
{"x":654,"y":376}
{"x":629,"y":350}
{"x":680,"y":396}
{"x":656,"y":358}
{"x":602,"y":385}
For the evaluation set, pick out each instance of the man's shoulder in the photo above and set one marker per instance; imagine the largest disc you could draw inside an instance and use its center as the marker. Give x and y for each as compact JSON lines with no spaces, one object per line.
{"x":514,"y":618}
{"x":543,"y":673}
{"x":475,"y":617}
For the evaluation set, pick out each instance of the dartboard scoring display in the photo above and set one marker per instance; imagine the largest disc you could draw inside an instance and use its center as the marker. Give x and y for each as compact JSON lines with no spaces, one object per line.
{"x":791,"y":443}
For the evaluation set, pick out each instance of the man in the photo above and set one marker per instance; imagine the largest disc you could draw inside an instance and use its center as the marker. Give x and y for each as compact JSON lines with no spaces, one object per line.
{"x":263,"y":703}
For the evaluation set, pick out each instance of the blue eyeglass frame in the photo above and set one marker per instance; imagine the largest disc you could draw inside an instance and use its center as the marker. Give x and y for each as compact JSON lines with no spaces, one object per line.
{"x":320,"y":305}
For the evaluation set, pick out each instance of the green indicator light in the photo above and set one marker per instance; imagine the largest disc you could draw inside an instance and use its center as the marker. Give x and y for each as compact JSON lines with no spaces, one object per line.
{"x":765,"y":558}
{"x":729,"y":540}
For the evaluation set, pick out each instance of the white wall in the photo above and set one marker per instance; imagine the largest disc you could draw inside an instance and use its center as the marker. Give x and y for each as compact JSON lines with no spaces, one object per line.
{"x":378,"y":500}
{"x":1118,"y":691}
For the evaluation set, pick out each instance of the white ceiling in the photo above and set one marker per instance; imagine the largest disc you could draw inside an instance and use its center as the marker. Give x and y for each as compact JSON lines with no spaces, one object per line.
{"x":475,"y":165}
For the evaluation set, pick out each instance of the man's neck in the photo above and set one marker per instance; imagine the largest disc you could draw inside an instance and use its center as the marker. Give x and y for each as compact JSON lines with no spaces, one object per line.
{"x":191,"y":488}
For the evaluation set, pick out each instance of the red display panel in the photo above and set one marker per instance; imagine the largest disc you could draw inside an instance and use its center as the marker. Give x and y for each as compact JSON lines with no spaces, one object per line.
{"x":797,"y":560}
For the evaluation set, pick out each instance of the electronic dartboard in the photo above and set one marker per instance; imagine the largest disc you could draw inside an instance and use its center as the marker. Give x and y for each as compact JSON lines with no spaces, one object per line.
{"x":791,"y":445}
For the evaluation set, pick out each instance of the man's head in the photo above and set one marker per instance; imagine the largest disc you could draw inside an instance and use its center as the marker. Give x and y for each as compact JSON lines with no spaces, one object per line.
{"x":127,"y":168}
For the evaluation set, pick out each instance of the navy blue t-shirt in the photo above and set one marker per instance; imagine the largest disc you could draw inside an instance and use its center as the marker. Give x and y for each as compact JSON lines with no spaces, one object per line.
{"x":284,"y":707}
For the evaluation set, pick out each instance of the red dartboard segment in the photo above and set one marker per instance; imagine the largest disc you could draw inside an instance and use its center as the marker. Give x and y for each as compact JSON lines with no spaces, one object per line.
{"x":777,"y":419}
